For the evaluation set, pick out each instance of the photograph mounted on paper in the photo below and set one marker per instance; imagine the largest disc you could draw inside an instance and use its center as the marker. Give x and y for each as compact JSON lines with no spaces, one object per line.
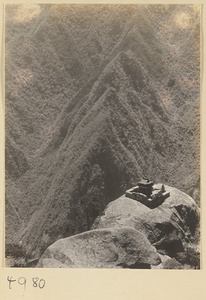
{"x":102,"y":136}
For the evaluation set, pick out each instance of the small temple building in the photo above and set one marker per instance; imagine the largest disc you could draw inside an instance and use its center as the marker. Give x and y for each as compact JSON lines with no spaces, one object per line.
{"x":145,"y":193}
{"x":145,"y":187}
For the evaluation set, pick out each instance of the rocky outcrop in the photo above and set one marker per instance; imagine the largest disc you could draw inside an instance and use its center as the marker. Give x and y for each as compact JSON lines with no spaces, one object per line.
{"x":96,"y":96}
{"x":102,"y":248}
{"x":170,"y":227}
{"x":131,"y":235}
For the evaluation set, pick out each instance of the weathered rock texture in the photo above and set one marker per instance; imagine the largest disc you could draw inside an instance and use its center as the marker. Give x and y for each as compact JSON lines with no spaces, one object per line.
{"x":169,"y":227}
{"x":102,"y":248}
{"x":129,"y":235}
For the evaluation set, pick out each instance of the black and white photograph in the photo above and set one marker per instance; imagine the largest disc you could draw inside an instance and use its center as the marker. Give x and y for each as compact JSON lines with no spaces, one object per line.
{"x":102,"y":136}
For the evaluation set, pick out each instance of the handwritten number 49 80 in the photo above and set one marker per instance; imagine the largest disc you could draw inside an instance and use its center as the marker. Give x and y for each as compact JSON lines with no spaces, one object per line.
{"x":22,"y":281}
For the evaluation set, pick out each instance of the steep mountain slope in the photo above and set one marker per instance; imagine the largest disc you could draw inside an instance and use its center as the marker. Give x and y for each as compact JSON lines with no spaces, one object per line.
{"x":97,"y":96}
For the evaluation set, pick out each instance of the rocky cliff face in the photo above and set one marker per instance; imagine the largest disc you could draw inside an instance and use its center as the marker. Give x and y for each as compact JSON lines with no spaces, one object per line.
{"x":131,"y":235}
{"x":96,"y":96}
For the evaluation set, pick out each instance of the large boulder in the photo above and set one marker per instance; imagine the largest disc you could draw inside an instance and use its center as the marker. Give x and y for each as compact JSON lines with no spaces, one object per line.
{"x":131,"y":235}
{"x":102,"y":248}
{"x":170,"y":227}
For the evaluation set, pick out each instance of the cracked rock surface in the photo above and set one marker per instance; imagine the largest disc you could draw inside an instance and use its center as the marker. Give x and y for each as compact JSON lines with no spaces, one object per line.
{"x":131,"y":235}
